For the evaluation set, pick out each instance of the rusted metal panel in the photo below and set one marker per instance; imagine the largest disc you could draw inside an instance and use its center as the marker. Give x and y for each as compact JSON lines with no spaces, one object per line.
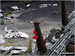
{"x":70,"y":48}
{"x":63,"y":13}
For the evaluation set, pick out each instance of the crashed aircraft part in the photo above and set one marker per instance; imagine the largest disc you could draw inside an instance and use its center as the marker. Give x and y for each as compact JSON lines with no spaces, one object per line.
{"x":15,"y":34}
{"x":61,"y":44}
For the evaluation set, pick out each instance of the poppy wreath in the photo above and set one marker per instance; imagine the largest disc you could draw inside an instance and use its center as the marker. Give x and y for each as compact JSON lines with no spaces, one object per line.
{"x":35,"y":36}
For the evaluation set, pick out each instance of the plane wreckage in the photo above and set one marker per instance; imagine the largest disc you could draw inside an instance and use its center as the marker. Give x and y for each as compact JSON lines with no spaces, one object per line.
{"x":15,"y":34}
{"x":62,"y":42}
{"x":12,"y":50}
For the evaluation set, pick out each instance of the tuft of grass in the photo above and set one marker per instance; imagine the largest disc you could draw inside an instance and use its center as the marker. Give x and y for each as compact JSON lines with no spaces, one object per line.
{"x":21,"y":54}
{"x":8,"y":13}
{"x":12,"y":40}
{"x":30,"y":46}
{"x":20,"y":45}
{"x":6,"y":44}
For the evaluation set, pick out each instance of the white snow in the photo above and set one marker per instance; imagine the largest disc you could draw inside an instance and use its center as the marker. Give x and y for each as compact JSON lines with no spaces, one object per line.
{"x":23,"y":34}
{"x":1,"y":10}
{"x":23,"y":49}
{"x":55,"y":5}
{"x":2,"y":39}
{"x":5,"y":48}
{"x":43,"y":5}
{"x":15,"y":7}
{"x":14,"y":33}
{"x":1,"y":14}
{"x":28,"y":5}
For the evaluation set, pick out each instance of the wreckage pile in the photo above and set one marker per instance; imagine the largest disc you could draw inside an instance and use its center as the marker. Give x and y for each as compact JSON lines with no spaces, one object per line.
{"x":66,"y":38}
